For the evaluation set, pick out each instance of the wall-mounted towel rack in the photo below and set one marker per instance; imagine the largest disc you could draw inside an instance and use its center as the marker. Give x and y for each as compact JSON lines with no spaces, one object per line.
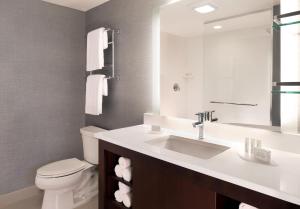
{"x":233,"y":103}
{"x":112,"y":44}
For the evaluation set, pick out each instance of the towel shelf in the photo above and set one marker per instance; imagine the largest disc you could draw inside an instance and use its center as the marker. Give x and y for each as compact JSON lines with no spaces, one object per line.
{"x":277,"y":23}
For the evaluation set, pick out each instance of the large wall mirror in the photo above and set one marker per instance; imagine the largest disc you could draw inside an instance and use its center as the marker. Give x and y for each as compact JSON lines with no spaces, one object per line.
{"x":227,"y":56}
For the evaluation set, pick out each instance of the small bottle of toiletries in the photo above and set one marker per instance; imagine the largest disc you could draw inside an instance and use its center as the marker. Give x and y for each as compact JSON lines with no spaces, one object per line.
{"x":252,"y":145}
{"x":258,"y":144}
{"x":247,"y":146}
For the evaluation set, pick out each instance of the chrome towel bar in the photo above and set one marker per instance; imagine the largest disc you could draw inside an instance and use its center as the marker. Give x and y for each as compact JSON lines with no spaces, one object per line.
{"x":233,"y":103}
{"x":112,"y":44}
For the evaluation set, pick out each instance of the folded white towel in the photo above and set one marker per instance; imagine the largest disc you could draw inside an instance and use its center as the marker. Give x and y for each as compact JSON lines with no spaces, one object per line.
{"x":119,"y":171}
{"x":124,"y":162}
{"x":124,"y":188}
{"x":94,"y":94}
{"x":127,"y":200}
{"x":119,"y":196}
{"x":245,"y":206}
{"x":127,"y":174}
{"x":95,"y":49}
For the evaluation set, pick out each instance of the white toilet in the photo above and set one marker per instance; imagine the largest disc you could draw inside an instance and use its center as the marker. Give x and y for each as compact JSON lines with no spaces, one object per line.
{"x":72,"y":182}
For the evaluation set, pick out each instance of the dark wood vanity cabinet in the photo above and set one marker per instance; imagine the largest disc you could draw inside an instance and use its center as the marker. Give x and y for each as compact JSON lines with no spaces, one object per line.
{"x":157,"y":184}
{"x":162,"y":186}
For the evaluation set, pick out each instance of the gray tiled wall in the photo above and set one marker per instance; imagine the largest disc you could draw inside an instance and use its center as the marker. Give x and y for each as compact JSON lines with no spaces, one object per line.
{"x":131,"y":96}
{"x":42,"y":51}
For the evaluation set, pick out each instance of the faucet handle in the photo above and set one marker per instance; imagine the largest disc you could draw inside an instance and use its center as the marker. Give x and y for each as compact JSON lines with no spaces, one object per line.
{"x":214,"y":120}
{"x":211,"y":117}
{"x":208,"y":116}
{"x":201,"y":116}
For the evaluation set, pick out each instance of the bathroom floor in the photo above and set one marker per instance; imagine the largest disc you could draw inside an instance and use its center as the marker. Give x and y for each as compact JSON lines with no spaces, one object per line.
{"x":36,"y":203}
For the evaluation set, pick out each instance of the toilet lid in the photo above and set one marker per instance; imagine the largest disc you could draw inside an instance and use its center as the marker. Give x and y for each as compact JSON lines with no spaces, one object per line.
{"x":61,"y":168}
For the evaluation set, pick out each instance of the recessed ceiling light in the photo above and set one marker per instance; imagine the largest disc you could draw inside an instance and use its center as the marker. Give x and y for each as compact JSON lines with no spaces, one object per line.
{"x":218,"y":27}
{"x":204,"y":9}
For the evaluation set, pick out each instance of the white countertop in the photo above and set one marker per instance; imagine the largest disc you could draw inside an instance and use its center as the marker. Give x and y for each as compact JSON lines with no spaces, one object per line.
{"x":281,"y":181}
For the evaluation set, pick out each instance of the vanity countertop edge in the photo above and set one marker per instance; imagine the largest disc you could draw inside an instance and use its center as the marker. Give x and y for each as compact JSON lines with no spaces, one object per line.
{"x":281,"y":181}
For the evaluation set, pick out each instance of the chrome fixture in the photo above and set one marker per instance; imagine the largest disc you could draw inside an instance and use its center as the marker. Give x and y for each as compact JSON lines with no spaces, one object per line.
{"x":275,"y":84}
{"x":176,"y":87}
{"x":233,"y":103}
{"x":202,"y":117}
{"x":277,"y":19}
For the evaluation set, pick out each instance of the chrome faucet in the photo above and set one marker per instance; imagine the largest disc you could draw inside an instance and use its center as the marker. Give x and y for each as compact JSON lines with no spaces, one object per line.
{"x":202,"y":117}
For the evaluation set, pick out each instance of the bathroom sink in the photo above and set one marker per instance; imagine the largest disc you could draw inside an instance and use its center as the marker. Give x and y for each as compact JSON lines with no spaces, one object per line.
{"x":195,"y":148}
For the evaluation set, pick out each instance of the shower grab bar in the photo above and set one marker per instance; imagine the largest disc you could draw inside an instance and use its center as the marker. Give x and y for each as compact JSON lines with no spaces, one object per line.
{"x":233,"y":103}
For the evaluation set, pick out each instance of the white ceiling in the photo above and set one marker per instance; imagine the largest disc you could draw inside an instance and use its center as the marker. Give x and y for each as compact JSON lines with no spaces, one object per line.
{"x":82,"y":5}
{"x":181,"y":19}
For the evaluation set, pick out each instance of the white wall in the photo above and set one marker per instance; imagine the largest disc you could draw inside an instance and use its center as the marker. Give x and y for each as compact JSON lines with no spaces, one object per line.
{"x":238,"y":69}
{"x":173,"y":62}
{"x":182,"y":63}
{"x":195,"y":83}
{"x":227,"y":66}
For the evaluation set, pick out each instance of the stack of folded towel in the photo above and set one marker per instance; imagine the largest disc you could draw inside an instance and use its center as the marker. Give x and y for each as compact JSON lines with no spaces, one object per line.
{"x":123,"y":195}
{"x":123,"y":169}
{"x":245,"y":206}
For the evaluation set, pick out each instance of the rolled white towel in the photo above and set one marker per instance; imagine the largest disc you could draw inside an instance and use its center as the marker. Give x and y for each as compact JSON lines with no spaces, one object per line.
{"x":124,"y":188}
{"x":124,"y":162}
{"x":127,"y":174}
{"x":244,"y":206}
{"x":127,"y":200}
{"x":119,"y":196}
{"x":119,"y":171}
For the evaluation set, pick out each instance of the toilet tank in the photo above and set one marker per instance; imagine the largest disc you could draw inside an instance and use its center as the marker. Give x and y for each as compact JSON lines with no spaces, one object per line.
{"x":90,"y":143}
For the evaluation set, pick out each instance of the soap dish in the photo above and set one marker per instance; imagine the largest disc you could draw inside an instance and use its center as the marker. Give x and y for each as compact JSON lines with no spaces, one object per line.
{"x":247,"y":157}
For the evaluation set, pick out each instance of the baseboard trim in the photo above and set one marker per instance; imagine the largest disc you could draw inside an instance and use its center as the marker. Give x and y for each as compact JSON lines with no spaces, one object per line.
{"x":16,"y":196}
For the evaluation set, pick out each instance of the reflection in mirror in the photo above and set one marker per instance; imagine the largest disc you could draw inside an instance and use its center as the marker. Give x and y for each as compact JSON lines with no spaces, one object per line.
{"x":220,"y":53}
{"x":290,"y":67}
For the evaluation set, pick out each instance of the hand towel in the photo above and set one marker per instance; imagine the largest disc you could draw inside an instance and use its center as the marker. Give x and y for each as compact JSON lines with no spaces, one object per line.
{"x":118,"y":196}
{"x":105,"y":87}
{"x":105,"y":39}
{"x":95,"y":49}
{"x":94,"y":94}
{"x":124,"y":162}
{"x":127,"y":200}
{"x":123,"y":188}
{"x":245,"y":206}
{"x":119,"y":171}
{"x":127,"y":175}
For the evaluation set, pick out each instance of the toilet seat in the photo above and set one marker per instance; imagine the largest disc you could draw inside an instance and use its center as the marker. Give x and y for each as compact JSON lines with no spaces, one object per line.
{"x":61,"y":168}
